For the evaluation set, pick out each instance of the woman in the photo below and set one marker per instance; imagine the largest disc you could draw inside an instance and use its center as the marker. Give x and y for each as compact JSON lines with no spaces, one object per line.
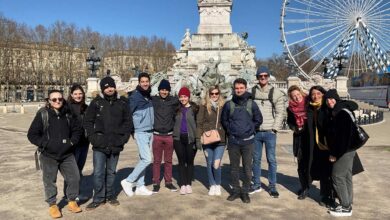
{"x":54,"y":131}
{"x":76,"y":100}
{"x":319,"y":166}
{"x":209,"y":119}
{"x":339,"y":137}
{"x":297,"y":121}
{"x":184,"y":134}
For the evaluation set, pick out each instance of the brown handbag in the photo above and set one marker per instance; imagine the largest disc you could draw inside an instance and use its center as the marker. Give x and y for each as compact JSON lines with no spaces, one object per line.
{"x":211,"y":136}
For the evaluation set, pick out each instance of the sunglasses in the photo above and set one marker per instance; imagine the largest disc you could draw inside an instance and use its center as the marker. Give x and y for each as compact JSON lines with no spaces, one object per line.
{"x":214,"y":93}
{"x":263,"y":76}
{"x":57,"y":99}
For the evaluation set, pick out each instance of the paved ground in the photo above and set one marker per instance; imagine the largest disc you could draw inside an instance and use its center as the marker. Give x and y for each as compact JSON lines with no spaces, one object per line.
{"x":22,"y":197}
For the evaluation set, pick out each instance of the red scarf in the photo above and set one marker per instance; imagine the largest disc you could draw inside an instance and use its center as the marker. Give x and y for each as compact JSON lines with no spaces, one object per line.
{"x":299,"y":111}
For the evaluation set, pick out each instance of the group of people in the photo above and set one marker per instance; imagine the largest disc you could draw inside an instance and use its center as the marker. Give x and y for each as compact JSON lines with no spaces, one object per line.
{"x":164,"y":123}
{"x":322,"y":142}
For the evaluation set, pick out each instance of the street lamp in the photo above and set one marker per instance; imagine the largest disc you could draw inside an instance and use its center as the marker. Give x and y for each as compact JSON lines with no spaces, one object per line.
{"x":341,"y":59}
{"x":93,"y":62}
{"x":290,"y":66}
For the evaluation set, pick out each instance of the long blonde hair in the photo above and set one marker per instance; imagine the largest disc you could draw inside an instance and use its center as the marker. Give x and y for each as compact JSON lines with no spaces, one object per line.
{"x":207,"y":101}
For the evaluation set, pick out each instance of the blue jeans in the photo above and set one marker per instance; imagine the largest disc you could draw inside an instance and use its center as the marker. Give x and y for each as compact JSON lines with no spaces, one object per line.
{"x":269,"y":139}
{"x":213,"y":154}
{"x":104,"y":170}
{"x":144,"y":143}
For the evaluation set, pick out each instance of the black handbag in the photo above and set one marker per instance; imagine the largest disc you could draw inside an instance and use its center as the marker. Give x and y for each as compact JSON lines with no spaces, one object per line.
{"x":359,"y":135}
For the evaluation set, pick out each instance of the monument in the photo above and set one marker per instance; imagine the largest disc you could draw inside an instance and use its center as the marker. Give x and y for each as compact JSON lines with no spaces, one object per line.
{"x":215,"y":55}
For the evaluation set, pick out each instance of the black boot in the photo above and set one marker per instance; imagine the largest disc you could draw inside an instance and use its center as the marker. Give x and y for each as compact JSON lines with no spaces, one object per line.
{"x":233,"y":196}
{"x":245,"y":198}
{"x":303,"y":194}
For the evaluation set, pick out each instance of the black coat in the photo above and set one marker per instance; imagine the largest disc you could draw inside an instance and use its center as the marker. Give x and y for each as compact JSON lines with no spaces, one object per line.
{"x":78,"y":110}
{"x":164,"y":113}
{"x":63,"y":133}
{"x":108,"y":123}
{"x":317,"y":160}
{"x":300,"y":137}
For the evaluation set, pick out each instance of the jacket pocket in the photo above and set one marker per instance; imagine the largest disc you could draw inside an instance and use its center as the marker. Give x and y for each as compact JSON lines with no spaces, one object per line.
{"x":97,"y":140}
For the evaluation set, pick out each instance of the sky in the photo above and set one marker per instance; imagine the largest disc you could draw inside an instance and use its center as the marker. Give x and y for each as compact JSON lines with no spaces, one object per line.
{"x":163,"y":18}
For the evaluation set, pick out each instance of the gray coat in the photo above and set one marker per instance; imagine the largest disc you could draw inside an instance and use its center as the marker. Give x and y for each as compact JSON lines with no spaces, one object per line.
{"x":191,"y":124}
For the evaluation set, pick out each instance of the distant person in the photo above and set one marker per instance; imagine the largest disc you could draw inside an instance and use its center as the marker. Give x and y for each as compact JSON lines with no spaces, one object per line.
{"x":108,"y":126}
{"x":319,"y":165}
{"x":184,"y":136}
{"x":164,"y":106}
{"x":77,"y":105}
{"x":54,"y":131}
{"x":141,"y":109}
{"x":339,"y":138}
{"x":209,"y":118}
{"x":297,"y":121}
{"x":271,"y":102}
{"x":240,"y":117}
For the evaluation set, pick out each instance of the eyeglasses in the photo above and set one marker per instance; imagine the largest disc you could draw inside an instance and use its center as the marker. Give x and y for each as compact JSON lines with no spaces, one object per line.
{"x":57,"y":99}
{"x":263,"y":76}
{"x":214,"y":93}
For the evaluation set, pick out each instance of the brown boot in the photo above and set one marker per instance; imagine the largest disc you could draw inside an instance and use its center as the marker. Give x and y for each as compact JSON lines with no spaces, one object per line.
{"x":73,"y":207}
{"x":54,"y":211}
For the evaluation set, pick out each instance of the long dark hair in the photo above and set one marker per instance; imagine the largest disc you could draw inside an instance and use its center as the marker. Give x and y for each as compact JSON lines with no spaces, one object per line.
{"x":71,"y":100}
{"x":319,"y":88}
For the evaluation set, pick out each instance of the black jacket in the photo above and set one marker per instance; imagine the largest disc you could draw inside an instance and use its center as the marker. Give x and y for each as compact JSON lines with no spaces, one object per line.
{"x":108,"y":123}
{"x":339,"y":132}
{"x":164,"y":113}
{"x":63,"y":133}
{"x":300,"y":137}
{"x":78,"y":111}
{"x":241,"y":126}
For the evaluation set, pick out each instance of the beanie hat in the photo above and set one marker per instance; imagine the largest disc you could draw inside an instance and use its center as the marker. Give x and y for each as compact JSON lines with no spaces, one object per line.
{"x":185,"y":91}
{"x":107,"y":82}
{"x":332,"y":94}
{"x":164,"y":84}
{"x":262,"y":69}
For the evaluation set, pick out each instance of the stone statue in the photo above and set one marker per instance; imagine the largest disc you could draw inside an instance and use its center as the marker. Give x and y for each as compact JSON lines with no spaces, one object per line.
{"x":210,"y":74}
{"x":180,"y":59}
{"x":155,"y":81}
{"x":186,"y":42}
{"x":248,"y":58}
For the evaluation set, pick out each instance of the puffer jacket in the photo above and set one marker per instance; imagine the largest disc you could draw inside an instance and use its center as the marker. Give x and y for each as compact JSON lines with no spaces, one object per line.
{"x":108,"y":123}
{"x":270,"y":121}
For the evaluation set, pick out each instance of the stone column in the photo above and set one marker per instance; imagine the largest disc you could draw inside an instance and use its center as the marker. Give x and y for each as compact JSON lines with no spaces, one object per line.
{"x":341,"y":86}
{"x":293,"y":80}
{"x":92,"y":86}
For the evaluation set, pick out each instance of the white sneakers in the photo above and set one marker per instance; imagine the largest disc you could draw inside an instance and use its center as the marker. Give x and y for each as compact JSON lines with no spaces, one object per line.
{"x":143,"y":191}
{"x":188,"y":189}
{"x":212,"y":190}
{"x":127,"y":187}
{"x":215,"y":190}
{"x":140,"y":191}
{"x":183,"y":190}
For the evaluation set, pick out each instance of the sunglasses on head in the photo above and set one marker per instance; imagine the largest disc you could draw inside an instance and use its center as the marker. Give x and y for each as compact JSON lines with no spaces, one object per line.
{"x":57,"y":99}
{"x":214,"y":93}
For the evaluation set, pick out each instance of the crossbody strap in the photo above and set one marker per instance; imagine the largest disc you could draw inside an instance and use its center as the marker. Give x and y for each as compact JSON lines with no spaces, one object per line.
{"x":216,"y":124}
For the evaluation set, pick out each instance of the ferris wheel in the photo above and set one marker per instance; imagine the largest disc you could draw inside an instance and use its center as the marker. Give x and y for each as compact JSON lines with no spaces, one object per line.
{"x":336,"y":37}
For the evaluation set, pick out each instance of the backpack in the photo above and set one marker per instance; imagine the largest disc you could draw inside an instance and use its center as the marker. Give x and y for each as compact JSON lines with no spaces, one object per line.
{"x":233,"y":106}
{"x":45,"y":121}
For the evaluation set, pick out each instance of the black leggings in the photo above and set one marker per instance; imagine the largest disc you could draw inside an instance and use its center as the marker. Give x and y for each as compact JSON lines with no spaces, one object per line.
{"x":185,"y":153}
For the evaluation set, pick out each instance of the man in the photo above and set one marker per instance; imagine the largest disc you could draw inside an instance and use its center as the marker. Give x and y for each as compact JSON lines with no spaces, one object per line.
{"x":164,"y":107}
{"x":271,"y":102}
{"x":108,"y":126}
{"x":240,"y":117}
{"x":55,"y":132}
{"x":141,"y":109}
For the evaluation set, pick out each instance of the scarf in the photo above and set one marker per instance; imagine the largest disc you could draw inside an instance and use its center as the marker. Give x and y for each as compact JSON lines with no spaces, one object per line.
{"x":299,"y":111}
{"x":144,"y":93}
{"x":317,"y":106}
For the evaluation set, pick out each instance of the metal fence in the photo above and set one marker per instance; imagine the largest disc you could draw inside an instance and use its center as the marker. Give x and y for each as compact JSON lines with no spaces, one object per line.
{"x":367,"y":117}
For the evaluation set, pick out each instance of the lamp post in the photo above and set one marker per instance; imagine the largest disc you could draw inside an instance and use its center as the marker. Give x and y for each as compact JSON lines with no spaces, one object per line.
{"x":341,"y":59}
{"x":290,"y":65}
{"x":93,"y":62}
